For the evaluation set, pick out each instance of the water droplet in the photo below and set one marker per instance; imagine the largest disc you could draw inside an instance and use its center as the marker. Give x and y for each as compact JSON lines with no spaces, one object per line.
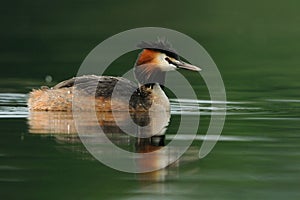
{"x":48,"y":79}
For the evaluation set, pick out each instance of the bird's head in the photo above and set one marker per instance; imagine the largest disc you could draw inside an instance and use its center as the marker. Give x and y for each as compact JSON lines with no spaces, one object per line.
{"x":155,"y":60}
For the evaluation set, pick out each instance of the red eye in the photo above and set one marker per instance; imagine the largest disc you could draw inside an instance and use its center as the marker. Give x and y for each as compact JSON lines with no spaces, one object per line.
{"x":169,"y":60}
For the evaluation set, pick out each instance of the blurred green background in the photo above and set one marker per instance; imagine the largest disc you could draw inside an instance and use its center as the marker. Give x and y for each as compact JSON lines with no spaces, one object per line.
{"x":254,"y":43}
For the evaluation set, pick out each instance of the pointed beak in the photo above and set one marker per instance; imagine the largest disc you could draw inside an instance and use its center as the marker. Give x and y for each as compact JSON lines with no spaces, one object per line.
{"x":188,"y":66}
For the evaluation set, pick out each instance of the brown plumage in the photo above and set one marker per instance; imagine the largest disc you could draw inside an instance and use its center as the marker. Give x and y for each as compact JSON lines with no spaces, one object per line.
{"x":60,"y":97}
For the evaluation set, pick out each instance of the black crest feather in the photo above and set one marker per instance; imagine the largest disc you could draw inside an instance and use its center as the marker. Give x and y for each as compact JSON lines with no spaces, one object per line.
{"x":161,"y":45}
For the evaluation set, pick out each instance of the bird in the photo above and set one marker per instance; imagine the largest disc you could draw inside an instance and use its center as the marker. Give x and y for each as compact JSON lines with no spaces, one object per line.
{"x":155,"y":59}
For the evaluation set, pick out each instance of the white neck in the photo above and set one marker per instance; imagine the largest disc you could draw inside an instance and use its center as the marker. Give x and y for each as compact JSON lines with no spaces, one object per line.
{"x":160,"y":101}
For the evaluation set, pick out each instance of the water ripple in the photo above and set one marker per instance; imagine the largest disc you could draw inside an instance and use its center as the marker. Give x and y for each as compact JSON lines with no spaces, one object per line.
{"x":11,"y":180}
{"x":13,"y":99}
{"x":274,"y":118}
{"x":285,"y":100}
{"x":13,"y":105}
{"x":6,"y":167}
{"x":202,"y":107}
{"x":218,"y":138}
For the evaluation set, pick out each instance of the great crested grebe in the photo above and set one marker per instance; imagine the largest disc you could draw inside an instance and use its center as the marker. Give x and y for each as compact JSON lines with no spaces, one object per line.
{"x":150,"y":69}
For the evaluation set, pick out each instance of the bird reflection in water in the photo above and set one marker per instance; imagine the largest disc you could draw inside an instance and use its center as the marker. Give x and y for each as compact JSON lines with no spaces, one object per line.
{"x":149,"y":137}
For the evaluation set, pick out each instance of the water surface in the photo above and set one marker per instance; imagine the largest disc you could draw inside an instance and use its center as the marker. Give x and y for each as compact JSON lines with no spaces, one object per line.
{"x":257,"y":153}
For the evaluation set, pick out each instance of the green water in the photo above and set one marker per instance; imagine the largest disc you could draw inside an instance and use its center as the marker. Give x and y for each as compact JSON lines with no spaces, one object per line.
{"x":256,"y":48}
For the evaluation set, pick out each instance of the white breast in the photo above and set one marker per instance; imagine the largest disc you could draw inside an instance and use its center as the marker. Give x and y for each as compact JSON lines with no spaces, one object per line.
{"x":160,"y":101}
